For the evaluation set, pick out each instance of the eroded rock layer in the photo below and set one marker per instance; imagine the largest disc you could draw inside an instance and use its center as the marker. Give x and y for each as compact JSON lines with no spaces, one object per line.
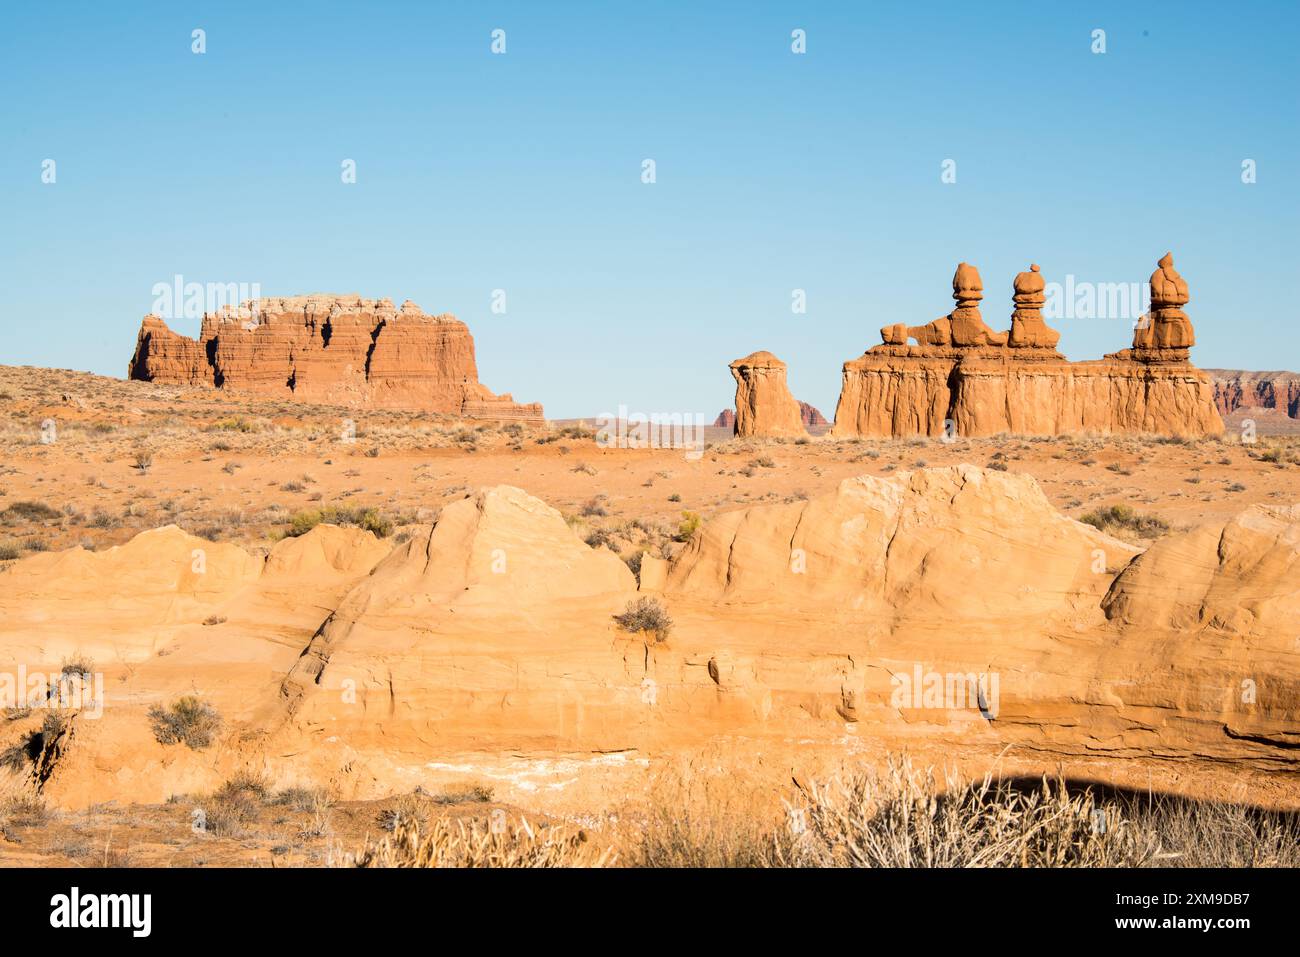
{"x":341,"y":350}
{"x":1236,"y":391}
{"x":963,"y":379}
{"x":798,"y":628}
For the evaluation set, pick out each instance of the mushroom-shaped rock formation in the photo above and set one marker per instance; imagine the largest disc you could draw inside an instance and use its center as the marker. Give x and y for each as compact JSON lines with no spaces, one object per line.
{"x":1166,"y":327}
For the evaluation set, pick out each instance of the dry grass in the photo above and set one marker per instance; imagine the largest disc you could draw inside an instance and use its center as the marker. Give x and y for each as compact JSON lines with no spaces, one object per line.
{"x":458,"y":843}
{"x":905,"y":817}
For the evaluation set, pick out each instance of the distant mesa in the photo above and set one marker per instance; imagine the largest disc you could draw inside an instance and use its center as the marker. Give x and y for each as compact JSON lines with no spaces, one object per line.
{"x":331,"y":349}
{"x":811,"y":416}
{"x":961,"y":376}
{"x":1237,"y":391}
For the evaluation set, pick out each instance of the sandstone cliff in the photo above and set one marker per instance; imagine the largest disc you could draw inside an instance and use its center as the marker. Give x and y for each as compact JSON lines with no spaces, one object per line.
{"x":963,"y":379}
{"x":341,"y":350}
{"x":1235,"y":390}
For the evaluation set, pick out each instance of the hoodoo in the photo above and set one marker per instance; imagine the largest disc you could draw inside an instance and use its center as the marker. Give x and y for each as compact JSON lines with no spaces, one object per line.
{"x":331,"y":349}
{"x":962,"y":378}
{"x":764,"y":405}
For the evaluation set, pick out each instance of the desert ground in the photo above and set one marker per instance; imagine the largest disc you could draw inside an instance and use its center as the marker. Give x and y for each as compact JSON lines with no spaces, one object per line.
{"x":93,"y":462}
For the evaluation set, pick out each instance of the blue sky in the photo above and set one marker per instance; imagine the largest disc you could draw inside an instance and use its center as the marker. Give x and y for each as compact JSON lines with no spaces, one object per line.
{"x":522,"y":172}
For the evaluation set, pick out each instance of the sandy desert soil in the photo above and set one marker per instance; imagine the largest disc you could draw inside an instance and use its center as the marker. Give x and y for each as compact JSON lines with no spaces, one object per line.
{"x":234,"y":470}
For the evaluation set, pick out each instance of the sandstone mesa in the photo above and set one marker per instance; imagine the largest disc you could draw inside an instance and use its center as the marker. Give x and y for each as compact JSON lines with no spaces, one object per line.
{"x":341,"y":350}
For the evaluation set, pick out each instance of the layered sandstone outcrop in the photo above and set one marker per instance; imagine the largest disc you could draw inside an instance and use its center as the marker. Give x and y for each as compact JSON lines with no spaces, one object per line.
{"x":330,"y":349}
{"x":963,"y":379}
{"x":1236,"y":391}
{"x":764,"y":405}
{"x":340,"y":659}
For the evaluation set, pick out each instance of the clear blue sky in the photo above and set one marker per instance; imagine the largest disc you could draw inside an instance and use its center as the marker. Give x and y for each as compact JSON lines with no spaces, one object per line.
{"x":775,"y":171}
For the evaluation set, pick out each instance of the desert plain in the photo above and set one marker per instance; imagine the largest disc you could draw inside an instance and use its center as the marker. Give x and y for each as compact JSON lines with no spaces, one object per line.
{"x":394,"y":614}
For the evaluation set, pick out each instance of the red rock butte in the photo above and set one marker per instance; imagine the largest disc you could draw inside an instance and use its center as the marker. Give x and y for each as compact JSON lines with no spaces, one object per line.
{"x":961,"y":377}
{"x":330,"y":349}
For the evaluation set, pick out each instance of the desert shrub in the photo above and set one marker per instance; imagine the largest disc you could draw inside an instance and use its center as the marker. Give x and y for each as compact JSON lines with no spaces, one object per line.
{"x":690,"y":522}
{"x":370,"y":519}
{"x":18,"y":756}
{"x":228,"y":816}
{"x":302,"y":798}
{"x":255,"y":785}
{"x":78,"y":665}
{"x":600,"y":536}
{"x":674,"y":497}
{"x":23,"y":810}
{"x":473,"y":794}
{"x":31,"y":511}
{"x":1123,"y":518}
{"x":143,"y":459}
{"x":408,"y":811}
{"x":10,"y":551}
{"x":188,"y":721}
{"x":645,"y":614}
{"x":234,"y":425}
{"x":594,"y":508}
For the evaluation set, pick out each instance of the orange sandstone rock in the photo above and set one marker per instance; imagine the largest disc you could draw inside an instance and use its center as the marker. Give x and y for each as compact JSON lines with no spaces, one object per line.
{"x":1028,"y":330}
{"x":764,"y":405}
{"x":961,"y":381}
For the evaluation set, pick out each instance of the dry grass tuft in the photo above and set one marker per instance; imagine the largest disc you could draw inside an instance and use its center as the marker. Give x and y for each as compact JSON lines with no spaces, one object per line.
{"x":457,"y":843}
